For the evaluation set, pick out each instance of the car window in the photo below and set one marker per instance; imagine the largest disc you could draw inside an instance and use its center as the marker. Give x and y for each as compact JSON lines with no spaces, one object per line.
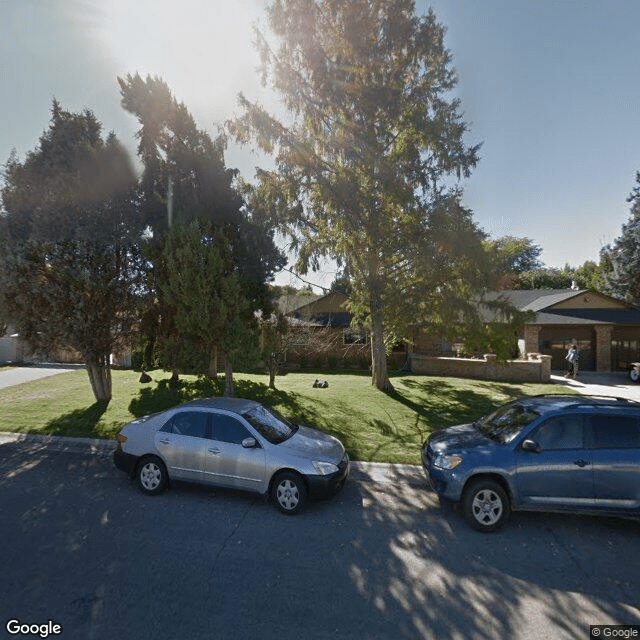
{"x":560,"y":432}
{"x":188,"y":423}
{"x":270,"y":424}
{"x":504,"y":424}
{"x":615,"y":432}
{"x":226,"y":428}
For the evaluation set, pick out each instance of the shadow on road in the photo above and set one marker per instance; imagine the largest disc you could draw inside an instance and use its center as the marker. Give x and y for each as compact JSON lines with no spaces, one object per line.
{"x":83,"y":546}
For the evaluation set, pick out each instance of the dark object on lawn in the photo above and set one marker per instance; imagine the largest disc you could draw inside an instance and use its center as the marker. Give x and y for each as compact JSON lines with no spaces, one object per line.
{"x":145,"y":377}
{"x":320,"y":384}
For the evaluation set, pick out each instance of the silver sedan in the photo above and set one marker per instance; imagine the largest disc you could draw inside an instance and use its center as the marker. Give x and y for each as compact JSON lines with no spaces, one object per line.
{"x":235,"y":443}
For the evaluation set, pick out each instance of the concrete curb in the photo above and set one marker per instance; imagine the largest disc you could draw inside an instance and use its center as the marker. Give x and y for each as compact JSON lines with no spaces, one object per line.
{"x":376,"y":472}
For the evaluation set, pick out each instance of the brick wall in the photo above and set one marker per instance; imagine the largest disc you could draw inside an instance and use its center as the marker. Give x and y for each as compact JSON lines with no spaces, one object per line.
{"x":537,"y":368}
{"x":604,"y":334}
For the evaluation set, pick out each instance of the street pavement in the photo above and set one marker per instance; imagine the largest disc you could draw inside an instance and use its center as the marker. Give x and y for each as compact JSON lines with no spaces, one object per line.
{"x":83,"y":548}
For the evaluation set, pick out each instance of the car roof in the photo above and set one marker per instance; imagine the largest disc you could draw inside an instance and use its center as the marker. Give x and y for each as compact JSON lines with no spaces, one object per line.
{"x":546,"y":403}
{"x":235,"y":405}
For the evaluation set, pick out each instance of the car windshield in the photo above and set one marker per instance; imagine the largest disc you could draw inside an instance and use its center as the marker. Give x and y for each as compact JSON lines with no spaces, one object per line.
{"x":270,"y":424}
{"x":506,"y":423}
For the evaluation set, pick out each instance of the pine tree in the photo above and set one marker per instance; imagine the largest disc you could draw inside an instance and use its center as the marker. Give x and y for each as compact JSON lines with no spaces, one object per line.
{"x":367,"y":164}
{"x":69,"y":262}
{"x":623,"y":257}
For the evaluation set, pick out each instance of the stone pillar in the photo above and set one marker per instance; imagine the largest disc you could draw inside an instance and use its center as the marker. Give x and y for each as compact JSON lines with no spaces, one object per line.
{"x":545,"y":368}
{"x":531,"y":340}
{"x":604,"y":332}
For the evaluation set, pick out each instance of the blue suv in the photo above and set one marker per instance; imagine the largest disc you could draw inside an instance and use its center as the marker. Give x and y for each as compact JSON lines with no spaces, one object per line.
{"x":541,"y":453}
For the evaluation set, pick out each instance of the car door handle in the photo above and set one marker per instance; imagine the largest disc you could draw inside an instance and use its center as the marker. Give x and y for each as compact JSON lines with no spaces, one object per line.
{"x":581,"y":463}
{"x":165,"y":441}
{"x":213,"y":451}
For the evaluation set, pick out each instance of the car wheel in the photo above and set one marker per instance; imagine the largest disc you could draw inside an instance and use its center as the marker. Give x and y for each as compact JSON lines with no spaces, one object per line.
{"x":634,"y":374}
{"x":288,"y":492}
{"x":152,"y":475}
{"x":485,"y":505}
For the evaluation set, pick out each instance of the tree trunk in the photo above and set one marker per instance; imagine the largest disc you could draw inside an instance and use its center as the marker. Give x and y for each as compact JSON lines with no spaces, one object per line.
{"x":229,"y":388}
{"x":99,"y":371}
{"x":213,"y":364}
{"x":379,"y":373}
{"x":273,"y":367}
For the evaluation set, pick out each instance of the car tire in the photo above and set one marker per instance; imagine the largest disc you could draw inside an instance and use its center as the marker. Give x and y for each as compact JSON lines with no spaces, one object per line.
{"x":634,"y":374}
{"x":288,"y":492}
{"x":485,"y":505}
{"x":151,"y":475}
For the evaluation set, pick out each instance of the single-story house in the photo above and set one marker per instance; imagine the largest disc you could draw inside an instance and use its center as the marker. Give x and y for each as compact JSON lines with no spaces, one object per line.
{"x":606,"y":330}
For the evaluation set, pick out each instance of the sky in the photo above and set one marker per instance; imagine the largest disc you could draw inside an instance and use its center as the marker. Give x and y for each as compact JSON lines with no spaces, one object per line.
{"x":549,"y":87}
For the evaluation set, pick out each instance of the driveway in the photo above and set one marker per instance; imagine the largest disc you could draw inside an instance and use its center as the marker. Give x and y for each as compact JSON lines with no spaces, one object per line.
{"x":615,"y":384}
{"x":18,"y":375}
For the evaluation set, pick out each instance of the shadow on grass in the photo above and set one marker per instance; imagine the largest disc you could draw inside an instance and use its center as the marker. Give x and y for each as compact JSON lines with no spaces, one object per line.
{"x":167,"y":394}
{"x":439,"y":403}
{"x":78,"y":423}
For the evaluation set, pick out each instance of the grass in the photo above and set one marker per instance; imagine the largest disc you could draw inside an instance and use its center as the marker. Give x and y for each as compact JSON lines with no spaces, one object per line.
{"x":374,"y":426}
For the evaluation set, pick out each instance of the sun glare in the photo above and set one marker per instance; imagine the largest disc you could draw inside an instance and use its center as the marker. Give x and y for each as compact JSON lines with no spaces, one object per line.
{"x":202,"y":48}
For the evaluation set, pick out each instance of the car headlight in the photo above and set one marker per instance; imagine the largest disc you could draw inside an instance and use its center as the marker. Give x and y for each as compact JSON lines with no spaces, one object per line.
{"x":446,"y":462}
{"x":325,"y":468}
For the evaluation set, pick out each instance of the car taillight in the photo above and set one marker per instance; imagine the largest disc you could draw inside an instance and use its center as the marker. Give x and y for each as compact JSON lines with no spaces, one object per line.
{"x":121,"y":438}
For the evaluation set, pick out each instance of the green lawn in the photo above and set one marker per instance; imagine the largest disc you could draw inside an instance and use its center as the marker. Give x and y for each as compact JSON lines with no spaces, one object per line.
{"x":374,"y":426}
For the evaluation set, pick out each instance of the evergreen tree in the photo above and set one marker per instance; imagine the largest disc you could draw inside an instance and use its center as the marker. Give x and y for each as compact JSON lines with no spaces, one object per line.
{"x":186,"y":181}
{"x":206,"y":290}
{"x":366,"y":164}
{"x":623,"y":257}
{"x":69,"y":262}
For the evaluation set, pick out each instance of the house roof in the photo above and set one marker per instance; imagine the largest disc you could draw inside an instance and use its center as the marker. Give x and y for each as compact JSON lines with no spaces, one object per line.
{"x":289,"y":303}
{"x":535,"y":299}
{"x":552,"y":306}
{"x":327,"y":311}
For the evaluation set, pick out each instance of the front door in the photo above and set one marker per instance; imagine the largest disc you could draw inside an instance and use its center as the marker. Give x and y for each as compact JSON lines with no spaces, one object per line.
{"x":560,"y":474}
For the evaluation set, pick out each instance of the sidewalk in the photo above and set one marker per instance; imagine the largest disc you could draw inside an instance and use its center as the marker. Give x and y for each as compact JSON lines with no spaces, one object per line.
{"x":27,"y":373}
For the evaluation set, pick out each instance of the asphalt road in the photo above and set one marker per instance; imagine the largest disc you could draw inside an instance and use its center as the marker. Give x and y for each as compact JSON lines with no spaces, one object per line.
{"x":80,"y":546}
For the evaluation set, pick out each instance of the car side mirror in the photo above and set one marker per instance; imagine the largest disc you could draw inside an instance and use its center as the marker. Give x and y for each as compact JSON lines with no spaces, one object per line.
{"x":249,"y":443}
{"x":530,"y":445}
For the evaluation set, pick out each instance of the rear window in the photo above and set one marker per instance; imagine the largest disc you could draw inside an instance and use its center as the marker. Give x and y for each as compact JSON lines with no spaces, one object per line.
{"x":615,"y":432}
{"x":187,"y":423}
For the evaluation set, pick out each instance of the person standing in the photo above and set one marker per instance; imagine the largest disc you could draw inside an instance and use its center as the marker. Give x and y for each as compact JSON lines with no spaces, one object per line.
{"x":572,"y":357}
